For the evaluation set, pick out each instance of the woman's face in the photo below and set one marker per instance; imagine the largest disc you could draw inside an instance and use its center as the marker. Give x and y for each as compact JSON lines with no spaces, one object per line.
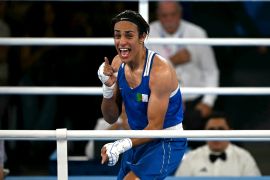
{"x":126,"y":40}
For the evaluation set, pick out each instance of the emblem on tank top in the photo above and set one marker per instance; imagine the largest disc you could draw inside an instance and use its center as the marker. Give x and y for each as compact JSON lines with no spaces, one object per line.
{"x":142,"y":97}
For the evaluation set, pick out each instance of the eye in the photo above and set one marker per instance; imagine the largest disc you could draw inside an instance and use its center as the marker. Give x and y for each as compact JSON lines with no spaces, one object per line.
{"x":117,"y":36}
{"x":129,"y":36}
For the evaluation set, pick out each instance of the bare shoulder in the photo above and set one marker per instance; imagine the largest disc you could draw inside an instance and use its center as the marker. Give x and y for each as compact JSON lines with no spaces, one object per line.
{"x":161,"y":68}
{"x":116,"y":62}
{"x":163,"y":74}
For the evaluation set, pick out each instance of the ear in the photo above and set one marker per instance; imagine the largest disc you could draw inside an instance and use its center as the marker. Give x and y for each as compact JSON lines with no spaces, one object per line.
{"x":142,"y":38}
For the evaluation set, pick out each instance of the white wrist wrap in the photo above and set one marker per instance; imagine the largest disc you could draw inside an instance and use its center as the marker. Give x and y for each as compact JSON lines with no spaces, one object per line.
{"x":113,"y":150}
{"x":103,"y":78}
{"x":108,"y":91}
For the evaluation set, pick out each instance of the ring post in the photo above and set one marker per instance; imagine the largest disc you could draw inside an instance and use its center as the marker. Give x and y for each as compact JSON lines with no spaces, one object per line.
{"x":62,"y":162}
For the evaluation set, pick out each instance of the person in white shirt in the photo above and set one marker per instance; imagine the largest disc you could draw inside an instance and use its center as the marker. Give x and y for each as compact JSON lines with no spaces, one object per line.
{"x":195,"y":65}
{"x":218,"y":158}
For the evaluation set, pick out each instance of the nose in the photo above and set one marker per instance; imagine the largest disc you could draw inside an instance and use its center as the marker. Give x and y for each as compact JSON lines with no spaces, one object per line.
{"x":122,"y":41}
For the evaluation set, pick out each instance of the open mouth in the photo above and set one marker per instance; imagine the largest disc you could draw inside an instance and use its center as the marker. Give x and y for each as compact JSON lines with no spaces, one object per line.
{"x":124,"y":52}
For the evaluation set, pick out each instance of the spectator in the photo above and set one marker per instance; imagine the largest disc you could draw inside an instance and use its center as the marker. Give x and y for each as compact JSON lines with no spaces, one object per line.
{"x":228,"y":20}
{"x":195,"y":65}
{"x":4,"y":69}
{"x":38,"y":65}
{"x":38,"y":112}
{"x":2,"y":159}
{"x":218,"y":158}
{"x":4,"y":81}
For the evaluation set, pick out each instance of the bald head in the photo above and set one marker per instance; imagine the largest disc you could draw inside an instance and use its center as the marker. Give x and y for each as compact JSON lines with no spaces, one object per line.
{"x":162,"y":5}
{"x":169,"y":15}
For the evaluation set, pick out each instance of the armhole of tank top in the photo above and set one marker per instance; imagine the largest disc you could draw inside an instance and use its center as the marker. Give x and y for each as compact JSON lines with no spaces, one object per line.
{"x":175,"y":91}
{"x":121,"y":68}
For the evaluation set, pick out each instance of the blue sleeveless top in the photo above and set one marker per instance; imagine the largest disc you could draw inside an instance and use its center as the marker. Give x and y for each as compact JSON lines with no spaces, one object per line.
{"x":136,"y":99}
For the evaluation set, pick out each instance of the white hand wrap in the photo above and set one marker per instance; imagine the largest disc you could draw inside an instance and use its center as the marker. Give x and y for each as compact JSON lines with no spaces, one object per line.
{"x":114,"y":149}
{"x":103,"y":78}
{"x":108,"y":91}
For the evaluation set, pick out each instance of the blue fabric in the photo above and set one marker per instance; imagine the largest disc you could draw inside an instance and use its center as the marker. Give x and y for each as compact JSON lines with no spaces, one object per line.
{"x":113,"y":178}
{"x":155,"y":160}
{"x":136,"y":105}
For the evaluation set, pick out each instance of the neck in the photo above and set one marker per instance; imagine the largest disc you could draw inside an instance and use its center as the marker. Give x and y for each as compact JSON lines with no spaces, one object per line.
{"x":138,"y":61}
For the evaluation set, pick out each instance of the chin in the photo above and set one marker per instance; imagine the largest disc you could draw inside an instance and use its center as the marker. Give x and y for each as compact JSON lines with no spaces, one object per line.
{"x":124,"y":60}
{"x":217,"y":150}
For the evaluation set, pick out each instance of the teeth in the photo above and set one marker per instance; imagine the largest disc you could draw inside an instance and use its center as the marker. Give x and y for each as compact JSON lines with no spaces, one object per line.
{"x":123,"y":49}
{"x":124,"y":52}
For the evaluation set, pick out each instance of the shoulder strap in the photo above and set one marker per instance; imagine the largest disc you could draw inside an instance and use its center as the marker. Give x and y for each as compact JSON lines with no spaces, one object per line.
{"x":149,"y":62}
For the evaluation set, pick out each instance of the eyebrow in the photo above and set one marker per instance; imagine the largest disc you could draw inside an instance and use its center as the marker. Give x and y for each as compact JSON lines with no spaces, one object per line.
{"x":129,"y":31}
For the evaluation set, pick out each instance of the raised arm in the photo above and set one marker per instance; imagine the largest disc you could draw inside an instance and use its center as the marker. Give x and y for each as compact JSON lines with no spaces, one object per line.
{"x":111,"y":98}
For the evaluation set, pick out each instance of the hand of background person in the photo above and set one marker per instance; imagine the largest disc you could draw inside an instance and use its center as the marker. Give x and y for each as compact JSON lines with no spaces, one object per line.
{"x":262,"y":50}
{"x":205,"y":109}
{"x":1,"y":173}
{"x":182,"y":56}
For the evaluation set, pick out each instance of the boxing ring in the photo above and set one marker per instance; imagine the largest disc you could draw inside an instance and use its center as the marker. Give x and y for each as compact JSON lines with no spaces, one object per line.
{"x":113,"y":178}
{"x":62,"y":136}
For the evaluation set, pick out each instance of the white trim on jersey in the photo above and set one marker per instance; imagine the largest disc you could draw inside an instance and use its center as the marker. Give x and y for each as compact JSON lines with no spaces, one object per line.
{"x":175,"y":91}
{"x":148,"y":63}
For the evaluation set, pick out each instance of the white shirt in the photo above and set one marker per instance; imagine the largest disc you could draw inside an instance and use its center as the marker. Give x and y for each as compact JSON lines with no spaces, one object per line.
{"x":202,"y":70}
{"x":239,"y":162}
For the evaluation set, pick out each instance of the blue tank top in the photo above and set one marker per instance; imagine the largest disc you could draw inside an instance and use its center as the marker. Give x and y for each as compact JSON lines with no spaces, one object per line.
{"x":136,"y":99}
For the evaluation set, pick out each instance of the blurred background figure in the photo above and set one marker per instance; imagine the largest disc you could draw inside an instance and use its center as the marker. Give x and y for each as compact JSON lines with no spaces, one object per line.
{"x":195,"y":65}
{"x":218,"y":158}
{"x":92,"y":149}
{"x":38,"y":112}
{"x":2,"y":159}
{"x":4,"y":81}
{"x":4,"y":67}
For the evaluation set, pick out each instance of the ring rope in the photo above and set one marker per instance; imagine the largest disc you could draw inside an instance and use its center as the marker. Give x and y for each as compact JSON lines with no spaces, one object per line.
{"x":110,"y":42}
{"x":79,"y":135}
{"x":63,"y":135}
{"x":98,"y":90}
{"x":142,"y":1}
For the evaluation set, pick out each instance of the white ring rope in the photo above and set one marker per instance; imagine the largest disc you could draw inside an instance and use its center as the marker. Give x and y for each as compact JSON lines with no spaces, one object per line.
{"x":149,"y":0}
{"x":76,"y":135}
{"x":51,"y":90}
{"x":63,"y":135}
{"x":110,"y":42}
{"x":98,"y":90}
